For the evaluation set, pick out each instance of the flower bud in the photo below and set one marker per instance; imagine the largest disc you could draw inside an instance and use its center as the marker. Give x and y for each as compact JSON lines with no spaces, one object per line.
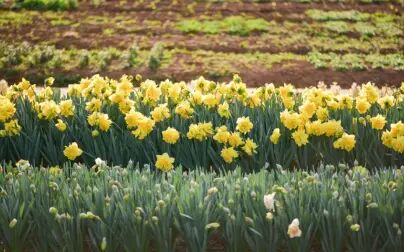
{"x":249,"y":221}
{"x":349,"y":218}
{"x":212,"y":190}
{"x":95,"y":133}
{"x":269,"y":216}
{"x":103,"y":245}
{"x":53,"y":211}
{"x":12,"y":223}
{"x":372,"y":205}
{"x":355,"y":227}
{"x":213,"y":225}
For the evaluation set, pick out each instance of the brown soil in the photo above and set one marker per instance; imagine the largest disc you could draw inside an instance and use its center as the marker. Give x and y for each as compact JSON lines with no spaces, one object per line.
{"x":300,"y":73}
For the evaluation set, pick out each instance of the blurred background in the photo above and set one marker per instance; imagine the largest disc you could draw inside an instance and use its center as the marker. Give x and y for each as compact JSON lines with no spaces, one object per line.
{"x":297,"y":41}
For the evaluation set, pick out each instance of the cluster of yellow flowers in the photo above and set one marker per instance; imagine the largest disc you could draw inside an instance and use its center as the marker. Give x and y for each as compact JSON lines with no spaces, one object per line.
{"x":394,"y":138}
{"x":312,"y":117}
{"x":233,"y":140}
{"x":302,"y":115}
{"x":7,"y":112}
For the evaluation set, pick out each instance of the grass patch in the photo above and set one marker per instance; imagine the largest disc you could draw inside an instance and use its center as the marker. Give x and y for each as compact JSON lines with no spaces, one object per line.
{"x":234,"y":25}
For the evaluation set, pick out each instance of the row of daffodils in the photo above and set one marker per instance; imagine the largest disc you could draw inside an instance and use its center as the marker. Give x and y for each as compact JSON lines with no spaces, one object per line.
{"x":205,"y":124}
{"x":100,"y":208}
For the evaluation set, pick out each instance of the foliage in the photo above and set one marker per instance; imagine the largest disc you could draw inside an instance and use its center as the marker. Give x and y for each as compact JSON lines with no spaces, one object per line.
{"x":46,"y":4}
{"x":112,"y":120}
{"x":356,"y":61}
{"x":236,"y":25}
{"x":104,"y":208}
{"x":156,"y":56}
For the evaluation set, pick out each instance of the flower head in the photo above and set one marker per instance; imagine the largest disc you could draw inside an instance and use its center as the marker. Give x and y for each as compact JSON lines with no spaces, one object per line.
{"x":60,"y":125}
{"x":293,"y":229}
{"x":164,"y":162}
{"x":275,"y":136}
{"x":249,"y":147}
{"x":244,"y":125}
{"x":72,"y":151}
{"x":300,"y":137}
{"x":269,"y":201}
{"x":346,"y":142}
{"x":229,"y":154}
{"x":170,"y":135}
{"x":378,"y":122}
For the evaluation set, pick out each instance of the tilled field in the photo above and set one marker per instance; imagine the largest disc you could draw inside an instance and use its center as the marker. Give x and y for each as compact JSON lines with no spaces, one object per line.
{"x":301,"y":43}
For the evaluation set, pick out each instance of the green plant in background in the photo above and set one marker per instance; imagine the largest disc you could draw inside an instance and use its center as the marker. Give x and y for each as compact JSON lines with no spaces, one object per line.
{"x":236,"y":25}
{"x":46,"y":4}
{"x":132,"y":56}
{"x":156,"y":56}
{"x":124,"y":209}
{"x":84,"y":58}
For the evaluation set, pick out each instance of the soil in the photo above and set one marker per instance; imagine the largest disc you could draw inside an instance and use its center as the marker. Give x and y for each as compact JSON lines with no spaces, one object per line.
{"x":165,"y":14}
{"x":299,"y":73}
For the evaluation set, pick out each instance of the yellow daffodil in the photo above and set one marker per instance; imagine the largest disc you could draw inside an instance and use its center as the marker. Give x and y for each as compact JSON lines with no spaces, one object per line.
{"x":60,"y":125}
{"x":244,"y":125}
{"x":164,"y":162}
{"x":170,"y":135}
{"x":72,"y":151}
{"x":276,"y":134}
{"x":300,"y":137}
{"x":229,"y":154}
{"x":378,"y":122}
{"x":346,"y":142}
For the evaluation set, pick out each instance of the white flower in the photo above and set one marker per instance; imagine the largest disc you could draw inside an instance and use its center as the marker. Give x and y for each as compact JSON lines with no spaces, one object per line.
{"x":269,"y":201}
{"x":100,"y":162}
{"x":294,"y":230}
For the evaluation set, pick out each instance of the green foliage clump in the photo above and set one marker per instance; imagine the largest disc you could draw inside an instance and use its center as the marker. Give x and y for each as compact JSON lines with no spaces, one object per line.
{"x":46,"y":4}
{"x":156,"y":56}
{"x":235,"y":25}
{"x":132,"y":56}
{"x":351,"y":15}
{"x":103,"y":208}
{"x":356,"y":61}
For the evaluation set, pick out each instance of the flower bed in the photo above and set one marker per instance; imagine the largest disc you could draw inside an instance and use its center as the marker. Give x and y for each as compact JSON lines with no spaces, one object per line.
{"x":212,"y":125}
{"x":77,"y":208}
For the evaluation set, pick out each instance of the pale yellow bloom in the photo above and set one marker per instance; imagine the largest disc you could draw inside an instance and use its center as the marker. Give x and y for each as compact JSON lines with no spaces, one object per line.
{"x":276,"y":134}
{"x":244,"y":125}
{"x":164,"y":162}
{"x":72,"y":151}
{"x":170,"y":135}
{"x":60,"y":125}
{"x":378,"y":122}
{"x":229,"y":154}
